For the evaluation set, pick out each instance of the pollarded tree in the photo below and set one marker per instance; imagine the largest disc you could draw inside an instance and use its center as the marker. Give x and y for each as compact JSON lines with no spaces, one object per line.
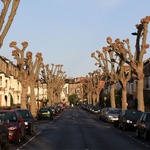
{"x":93,"y":87}
{"x":88,"y":88}
{"x":100,"y":80}
{"x":136,"y":62}
{"x":22,"y":70}
{"x":50,"y":76}
{"x":124,"y":71}
{"x":33,"y":74}
{"x":4,"y":12}
{"x":107,"y":65}
{"x":28,"y":73}
{"x":59,"y":85}
{"x":97,"y":80}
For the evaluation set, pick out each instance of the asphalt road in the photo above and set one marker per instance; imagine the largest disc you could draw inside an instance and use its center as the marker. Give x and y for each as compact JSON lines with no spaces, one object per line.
{"x":76,"y":129}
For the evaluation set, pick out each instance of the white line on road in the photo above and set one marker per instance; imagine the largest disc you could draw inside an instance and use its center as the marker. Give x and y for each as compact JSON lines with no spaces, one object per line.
{"x":28,"y":141}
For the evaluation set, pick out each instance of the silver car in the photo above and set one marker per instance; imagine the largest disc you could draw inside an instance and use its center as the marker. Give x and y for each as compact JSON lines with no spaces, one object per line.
{"x":111,"y":114}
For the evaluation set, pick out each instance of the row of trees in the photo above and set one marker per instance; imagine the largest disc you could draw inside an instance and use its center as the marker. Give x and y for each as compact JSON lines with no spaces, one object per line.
{"x":117,"y":64}
{"x":32,"y":73}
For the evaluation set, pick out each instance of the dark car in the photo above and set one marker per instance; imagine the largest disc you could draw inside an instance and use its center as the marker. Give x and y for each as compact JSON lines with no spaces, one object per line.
{"x":15,"y":125}
{"x":102,"y":113}
{"x":143,"y":126}
{"x":53,"y":110}
{"x":95,"y":109}
{"x":4,"y":137}
{"x":128,"y":119}
{"x":28,"y":119}
{"x":58,"y":110}
{"x":45,"y":113}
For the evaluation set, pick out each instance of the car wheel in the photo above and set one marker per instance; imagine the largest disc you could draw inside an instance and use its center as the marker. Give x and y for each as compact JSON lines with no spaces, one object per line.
{"x":18,"y":140}
{"x":145,"y":135}
{"x":137,"y":133}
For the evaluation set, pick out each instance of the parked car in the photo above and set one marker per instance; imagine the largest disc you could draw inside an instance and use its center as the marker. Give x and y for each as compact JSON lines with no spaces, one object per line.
{"x":15,"y":124}
{"x":4,"y":137}
{"x":28,"y":119}
{"x":58,"y":109}
{"x":143,"y":126}
{"x":112,"y":114}
{"x":95,"y":109}
{"x":128,"y":119}
{"x":102,"y":113}
{"x":45,"y":113}
{"x":53,"y":110}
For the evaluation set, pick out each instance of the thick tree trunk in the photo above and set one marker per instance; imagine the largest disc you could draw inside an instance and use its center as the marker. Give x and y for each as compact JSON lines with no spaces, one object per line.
{"x":124,"y":98}
{"x":24,"y":96}
{"x":90,"y":100}
{"x":49,"y":96}
{"x":97,"y":96}
{"x":140,"y":95}
{"x":33,"y":101}
{"x":94,"y":98}
{"x":112,"y":96}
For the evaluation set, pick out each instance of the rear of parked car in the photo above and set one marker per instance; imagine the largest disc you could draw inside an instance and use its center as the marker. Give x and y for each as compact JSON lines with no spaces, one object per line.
{"x":45,"y":113}
{"x":28,"y":119}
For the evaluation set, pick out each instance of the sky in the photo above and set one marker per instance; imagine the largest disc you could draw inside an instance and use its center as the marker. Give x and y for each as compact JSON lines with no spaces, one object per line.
{"x":67,"y":31}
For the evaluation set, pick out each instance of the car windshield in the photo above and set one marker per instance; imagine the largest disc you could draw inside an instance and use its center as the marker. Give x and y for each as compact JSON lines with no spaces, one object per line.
{"x":96,"y":108}
{"x":24,"y":113}
{"x":7,"y":117}
{"x":43,"y":109}
{"x":115,"y":111}
{"x":135,"y":114}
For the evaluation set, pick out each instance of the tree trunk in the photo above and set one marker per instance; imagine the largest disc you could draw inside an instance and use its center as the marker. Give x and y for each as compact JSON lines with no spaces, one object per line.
{"x":93,"y":97}
{"x":24,"y":96}
{"x":97,"y":95}
{"x":33,"y":101}
{"x":124,"y":98}
{"x":140,"y":95}
{"x":49,"y":91}
{"x":112,"y":96}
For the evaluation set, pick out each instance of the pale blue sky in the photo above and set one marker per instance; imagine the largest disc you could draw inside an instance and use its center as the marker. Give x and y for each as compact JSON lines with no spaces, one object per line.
{"x":68,"y":31}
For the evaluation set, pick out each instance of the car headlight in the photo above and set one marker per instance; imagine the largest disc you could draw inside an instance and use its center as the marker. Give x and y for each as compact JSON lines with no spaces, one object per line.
{"x":26,"y":123}
{"x":129,"y":121}
{"x":12,"y":128}
{"x":110,"y":116}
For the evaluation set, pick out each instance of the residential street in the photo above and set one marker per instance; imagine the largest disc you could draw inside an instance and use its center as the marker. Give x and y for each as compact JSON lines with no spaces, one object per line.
{"x":77,"y":129}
